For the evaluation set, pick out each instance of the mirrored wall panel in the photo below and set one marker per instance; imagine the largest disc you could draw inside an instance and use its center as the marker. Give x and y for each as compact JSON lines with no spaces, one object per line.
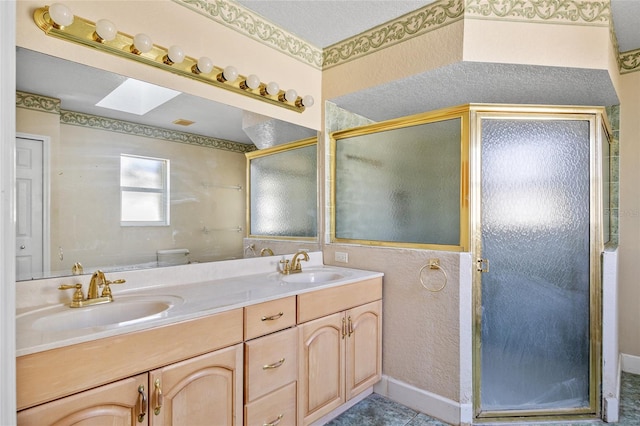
{"x":283,"y":195}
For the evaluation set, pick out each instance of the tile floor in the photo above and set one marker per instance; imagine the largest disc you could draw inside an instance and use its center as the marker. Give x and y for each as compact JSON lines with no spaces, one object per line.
{"x":376,"y":410}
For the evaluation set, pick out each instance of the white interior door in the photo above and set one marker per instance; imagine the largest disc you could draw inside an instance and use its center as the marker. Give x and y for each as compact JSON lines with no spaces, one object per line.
{"x":30,"y":207}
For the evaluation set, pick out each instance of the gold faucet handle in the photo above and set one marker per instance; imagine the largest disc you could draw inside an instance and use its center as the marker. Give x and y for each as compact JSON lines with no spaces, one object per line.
{"x":77,"y":295}
{"x":106,"y":291}
{"x":286,"y":268}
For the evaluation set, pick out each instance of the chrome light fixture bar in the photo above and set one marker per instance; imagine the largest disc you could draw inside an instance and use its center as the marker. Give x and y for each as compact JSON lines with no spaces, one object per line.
{"x":58,"y":21}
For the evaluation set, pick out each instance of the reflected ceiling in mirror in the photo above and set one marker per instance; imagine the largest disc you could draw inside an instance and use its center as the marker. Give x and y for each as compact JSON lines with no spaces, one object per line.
{"x":82,"y":224}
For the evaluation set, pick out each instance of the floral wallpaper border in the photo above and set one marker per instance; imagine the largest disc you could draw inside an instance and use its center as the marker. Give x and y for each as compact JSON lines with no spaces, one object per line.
{"x":51,"y":105}
{"x":630,"y":61}
{"x":431,"y":17}
{"x":243,"y":20}
{"x":37,"y":102}
{"x":581,"y":12}
{"x":419,"y":22}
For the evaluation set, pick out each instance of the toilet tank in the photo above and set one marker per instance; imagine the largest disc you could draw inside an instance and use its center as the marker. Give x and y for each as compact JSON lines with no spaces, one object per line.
{"x":173,"y":257}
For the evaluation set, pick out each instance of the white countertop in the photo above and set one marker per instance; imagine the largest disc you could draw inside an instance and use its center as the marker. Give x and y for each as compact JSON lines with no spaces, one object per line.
{"x":187,"y":301}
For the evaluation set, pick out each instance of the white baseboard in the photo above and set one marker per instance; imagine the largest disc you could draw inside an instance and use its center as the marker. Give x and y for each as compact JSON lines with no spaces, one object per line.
{"x":630,"y":364}
{"x":426,"y":402}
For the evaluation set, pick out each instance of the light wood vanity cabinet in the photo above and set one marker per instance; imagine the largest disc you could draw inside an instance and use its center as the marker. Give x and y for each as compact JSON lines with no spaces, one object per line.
{"x":200,"y":391}
{"x":198,"y":381}
{"x":340,"y":353}
{"x":302,"y":357}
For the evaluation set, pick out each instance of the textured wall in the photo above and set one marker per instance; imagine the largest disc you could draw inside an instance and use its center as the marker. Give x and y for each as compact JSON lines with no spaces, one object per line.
{"x":629,"y":226}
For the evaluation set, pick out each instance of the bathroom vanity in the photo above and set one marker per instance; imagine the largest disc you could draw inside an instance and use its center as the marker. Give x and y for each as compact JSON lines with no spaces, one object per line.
{"x":259,"y":349}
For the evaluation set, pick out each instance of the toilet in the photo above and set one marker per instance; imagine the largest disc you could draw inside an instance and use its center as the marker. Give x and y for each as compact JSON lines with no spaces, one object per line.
{"x":173,"y":257}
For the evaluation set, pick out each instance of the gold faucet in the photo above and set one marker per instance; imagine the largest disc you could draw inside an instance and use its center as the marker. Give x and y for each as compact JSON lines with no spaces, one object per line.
{"x":266,"y":250}
{"x":294,"y":266}
{"x":97,"y":280}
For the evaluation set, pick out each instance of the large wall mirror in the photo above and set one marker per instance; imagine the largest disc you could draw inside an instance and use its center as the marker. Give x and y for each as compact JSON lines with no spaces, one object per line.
{"x":121,"y":190}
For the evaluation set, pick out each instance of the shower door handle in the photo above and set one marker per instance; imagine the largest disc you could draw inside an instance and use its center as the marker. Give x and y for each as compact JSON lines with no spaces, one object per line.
{"x":483,"y":265}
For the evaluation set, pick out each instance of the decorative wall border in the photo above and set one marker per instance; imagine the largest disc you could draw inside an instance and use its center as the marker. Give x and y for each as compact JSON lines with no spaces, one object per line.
{"x":37,"y":102}
{"x":234,"y":16}
{"x":413,"y":24}
{"x":580,"y":12}
{"x":429,"y":18}
{"x":52,"y":105}
{"x":630,"y":61}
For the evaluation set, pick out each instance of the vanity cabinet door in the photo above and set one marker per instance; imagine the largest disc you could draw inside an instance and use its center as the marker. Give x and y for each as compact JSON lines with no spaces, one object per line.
{"x":321,"y":368}
{"x":364,"y":347}
{"x":205,"y":390}
{"x":115,"y":404}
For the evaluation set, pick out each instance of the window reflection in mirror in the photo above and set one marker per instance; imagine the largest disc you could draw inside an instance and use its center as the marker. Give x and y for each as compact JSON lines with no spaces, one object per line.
{"x":283,"y":191}
{"x":144,"y":191}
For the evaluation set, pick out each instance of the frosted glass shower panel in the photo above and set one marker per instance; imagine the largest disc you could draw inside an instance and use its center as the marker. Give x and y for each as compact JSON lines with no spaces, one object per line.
{"x":535,"y":349}
{"x":283,"y":193}
{"x":400,"y":185}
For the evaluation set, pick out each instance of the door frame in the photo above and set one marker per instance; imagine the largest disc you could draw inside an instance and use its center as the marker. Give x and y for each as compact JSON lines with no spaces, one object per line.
{"x":595,"y":117}
{"x":46,"y":196}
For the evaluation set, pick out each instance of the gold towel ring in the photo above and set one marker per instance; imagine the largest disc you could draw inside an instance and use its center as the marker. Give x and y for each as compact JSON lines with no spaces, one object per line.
{"x":433,"y":264}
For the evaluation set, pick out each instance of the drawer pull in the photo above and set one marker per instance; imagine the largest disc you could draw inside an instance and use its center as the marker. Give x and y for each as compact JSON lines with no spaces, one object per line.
{"x":142,"y":398}
{"x":275,"y":422}
{"x":274,"y":365}
{"x":273,"y":317}
{"x":159,"y":398}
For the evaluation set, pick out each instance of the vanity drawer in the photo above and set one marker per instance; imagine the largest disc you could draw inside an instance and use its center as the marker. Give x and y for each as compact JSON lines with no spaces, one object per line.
{"x":278,"y":405}
{"x":268,"y":317}
{"x":336,"y":299}
{"x":270,"y":363}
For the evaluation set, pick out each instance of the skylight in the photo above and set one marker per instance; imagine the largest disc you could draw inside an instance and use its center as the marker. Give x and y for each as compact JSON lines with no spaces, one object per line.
{"x":137,"y":97}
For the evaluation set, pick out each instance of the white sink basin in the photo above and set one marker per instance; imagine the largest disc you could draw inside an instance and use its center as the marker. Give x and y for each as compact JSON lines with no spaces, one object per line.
{"x":124,"y":310}
{"x":312,"y":277}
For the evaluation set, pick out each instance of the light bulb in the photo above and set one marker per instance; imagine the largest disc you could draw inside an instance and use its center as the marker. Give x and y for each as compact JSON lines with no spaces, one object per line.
{"x":252,"y":81}
{"x":230,"y":73}
{"x":106,"y":30}
{"x":290,"y":95}
{"x":141,"y":44}
{"x":175,"y":54}
{"x":60,"y":15}
{"x":308,"y":101}
{"x":204,"y":65}
{"x":273,"y":88}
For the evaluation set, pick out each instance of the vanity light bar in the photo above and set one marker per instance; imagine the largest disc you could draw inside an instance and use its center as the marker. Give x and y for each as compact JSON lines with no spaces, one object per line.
{"x":58,"y":21}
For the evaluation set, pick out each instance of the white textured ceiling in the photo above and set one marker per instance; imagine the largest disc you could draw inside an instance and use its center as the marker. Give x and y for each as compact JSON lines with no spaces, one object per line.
{"x":626,"y":21}
{"x":326,"y":22}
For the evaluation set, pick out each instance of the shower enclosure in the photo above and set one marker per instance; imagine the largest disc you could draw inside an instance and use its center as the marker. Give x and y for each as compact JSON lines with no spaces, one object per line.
{"x":525,"y":189}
